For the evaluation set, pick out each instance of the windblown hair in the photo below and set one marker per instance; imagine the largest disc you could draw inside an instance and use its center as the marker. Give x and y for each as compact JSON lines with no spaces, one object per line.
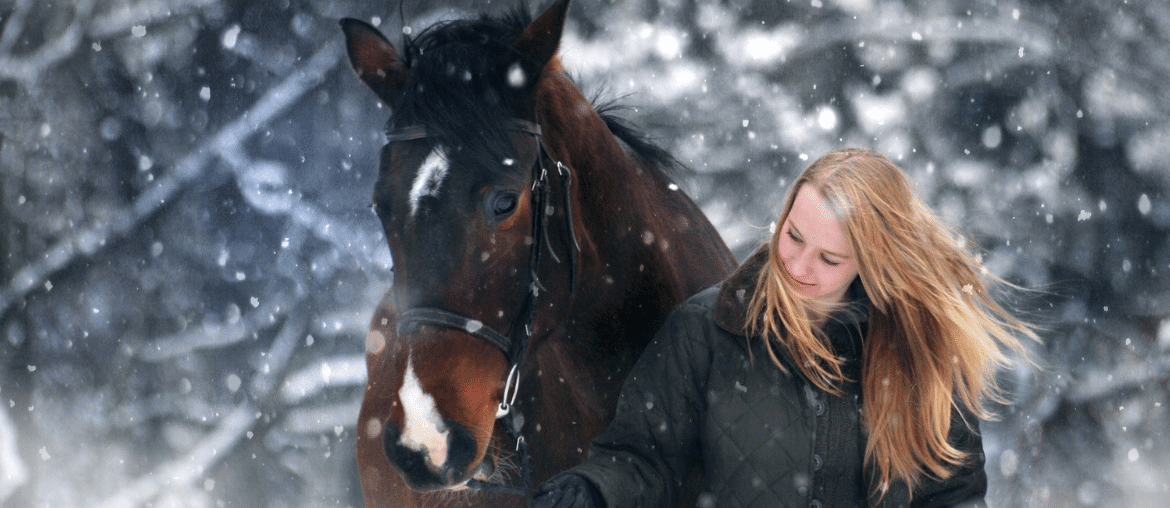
{"x":935,"y":336}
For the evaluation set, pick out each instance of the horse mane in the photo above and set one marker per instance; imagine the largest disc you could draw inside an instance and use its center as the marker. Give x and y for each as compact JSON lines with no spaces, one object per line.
{"x":457,"y":84}
{"x":639,"y":142}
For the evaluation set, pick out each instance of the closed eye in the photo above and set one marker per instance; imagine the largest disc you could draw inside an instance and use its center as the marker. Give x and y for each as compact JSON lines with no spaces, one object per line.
{"x":798,"y":240}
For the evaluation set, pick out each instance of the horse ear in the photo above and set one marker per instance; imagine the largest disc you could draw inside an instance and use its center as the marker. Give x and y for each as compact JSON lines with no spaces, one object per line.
{"x":374,"y":59}
{"x":539,"y":42}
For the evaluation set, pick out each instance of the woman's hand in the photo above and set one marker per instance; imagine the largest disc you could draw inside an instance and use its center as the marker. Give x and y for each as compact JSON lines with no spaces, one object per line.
{"x":568,"y":490}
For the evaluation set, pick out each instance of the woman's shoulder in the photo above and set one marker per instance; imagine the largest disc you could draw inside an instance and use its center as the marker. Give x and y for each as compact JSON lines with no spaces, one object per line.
{"x":701,"y":302}
{"x":692,"y":319}
{"x":694,"y":325}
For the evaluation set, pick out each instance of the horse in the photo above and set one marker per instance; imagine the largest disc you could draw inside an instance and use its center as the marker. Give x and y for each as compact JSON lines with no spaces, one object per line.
{"x":537,"y":242}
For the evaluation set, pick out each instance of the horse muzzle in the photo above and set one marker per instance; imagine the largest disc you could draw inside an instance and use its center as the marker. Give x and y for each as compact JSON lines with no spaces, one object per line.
{"x":436,"y":465}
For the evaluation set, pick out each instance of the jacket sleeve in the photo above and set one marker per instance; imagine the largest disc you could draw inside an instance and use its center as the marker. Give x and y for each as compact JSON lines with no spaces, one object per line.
{"x":967,"y":487}
{"x":647,"y":451}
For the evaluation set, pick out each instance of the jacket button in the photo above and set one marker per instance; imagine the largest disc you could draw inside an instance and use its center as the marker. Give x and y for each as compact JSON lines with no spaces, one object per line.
{"x":820,"y":408}
{"x":814,"y":504}
{"x":817,"y":462}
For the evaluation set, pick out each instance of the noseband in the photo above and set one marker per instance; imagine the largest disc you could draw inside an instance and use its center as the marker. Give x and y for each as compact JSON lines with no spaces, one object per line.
{"x":514,"y":343}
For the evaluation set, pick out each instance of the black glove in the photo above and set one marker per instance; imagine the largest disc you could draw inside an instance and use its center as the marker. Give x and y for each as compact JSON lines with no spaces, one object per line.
{"x":567,"y":490}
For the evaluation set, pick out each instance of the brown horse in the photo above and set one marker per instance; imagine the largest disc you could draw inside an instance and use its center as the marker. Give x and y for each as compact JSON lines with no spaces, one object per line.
{"x":530,"y":233}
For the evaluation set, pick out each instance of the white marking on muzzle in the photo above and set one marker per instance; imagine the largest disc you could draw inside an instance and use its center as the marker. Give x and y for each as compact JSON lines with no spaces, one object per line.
{"x":430,"y":177}
{"x":425,"y":431}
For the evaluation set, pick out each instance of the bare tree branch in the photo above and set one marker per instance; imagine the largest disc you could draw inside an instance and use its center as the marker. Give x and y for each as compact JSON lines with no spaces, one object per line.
{"x":120,"y":20}
{"x":27,"y":69}
{"x":85,"y":241}
{"x":1036,"y":43}
{"x":218,"y":443}
{"x":214,"y":335}
{"x":203,"y":455}
{"x":13,"y":472}
{"x":1103,"y":383}
{"x":14,"y":25}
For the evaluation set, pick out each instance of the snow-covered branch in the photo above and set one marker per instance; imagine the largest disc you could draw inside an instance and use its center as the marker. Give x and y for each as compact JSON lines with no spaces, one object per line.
{"x":13,"y":26}
{"x":119,"y":20}
{"x":13,"y":472}
{"x":27,"y":68}
{"x":85,"y":241}
{"x":192,"y":466}
{"x":1100,"y":384}
{"x":218,"y":443}
{"x":213,"y":335}
{"x":1033,"y":42}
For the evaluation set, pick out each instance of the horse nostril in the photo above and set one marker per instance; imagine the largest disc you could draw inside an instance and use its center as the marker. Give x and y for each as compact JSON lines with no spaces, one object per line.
{"x":461,"y":447}
{"x":390,"y":435}
{"x":485,"y":469}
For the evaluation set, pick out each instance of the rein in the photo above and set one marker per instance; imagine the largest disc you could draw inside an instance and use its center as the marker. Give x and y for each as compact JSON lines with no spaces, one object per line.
{"x":509,"y":344}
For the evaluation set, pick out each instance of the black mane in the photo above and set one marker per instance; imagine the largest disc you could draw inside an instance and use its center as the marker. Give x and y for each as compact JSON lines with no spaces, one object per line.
{"x":458,"y":90}
{"x":639,"y":142}
{"x":457,"y":84}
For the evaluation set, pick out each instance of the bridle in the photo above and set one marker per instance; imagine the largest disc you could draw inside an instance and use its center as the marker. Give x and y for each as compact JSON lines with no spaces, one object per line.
{"x":514,"y":343}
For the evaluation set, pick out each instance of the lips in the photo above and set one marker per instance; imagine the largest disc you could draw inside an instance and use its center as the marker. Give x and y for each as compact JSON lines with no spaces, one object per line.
{"x":800,"y":284}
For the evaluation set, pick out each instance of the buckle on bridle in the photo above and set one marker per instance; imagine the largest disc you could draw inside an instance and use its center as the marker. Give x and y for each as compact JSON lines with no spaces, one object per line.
{"x":512,"y":385}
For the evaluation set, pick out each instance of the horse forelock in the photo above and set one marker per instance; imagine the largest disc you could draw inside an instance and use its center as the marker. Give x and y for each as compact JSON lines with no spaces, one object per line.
{"x":458,"y":89}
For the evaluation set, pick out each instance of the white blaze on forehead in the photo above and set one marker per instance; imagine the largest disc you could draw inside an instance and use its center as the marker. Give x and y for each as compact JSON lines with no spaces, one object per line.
{"x":425,"y":431}
{"x":430,"y":177}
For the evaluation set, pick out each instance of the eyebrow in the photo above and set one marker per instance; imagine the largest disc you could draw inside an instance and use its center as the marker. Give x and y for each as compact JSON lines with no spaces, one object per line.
{"x":792,"y":226}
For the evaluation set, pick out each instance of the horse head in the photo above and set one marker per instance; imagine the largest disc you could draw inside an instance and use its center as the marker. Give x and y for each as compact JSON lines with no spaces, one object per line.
{"x":462,"y":202}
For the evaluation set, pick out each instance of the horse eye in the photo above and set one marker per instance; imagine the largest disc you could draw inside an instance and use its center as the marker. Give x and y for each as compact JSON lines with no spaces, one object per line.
{"x":504,"y":204}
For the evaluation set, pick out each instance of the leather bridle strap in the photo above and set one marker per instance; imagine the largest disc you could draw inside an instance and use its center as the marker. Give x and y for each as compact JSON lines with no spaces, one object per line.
{"x":411,"y":319}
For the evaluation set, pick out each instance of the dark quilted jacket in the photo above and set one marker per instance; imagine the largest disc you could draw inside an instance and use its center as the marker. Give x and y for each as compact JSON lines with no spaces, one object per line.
{"x":760,"y":438}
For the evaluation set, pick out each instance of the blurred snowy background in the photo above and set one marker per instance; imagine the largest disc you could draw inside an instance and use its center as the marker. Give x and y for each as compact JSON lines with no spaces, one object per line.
{"x":189,"y":261}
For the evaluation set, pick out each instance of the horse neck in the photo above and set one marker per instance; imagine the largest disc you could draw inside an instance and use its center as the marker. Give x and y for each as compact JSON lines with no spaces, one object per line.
{"x":625,"y":286}
{"x":634,"y":255}
{"x":614,"y":191}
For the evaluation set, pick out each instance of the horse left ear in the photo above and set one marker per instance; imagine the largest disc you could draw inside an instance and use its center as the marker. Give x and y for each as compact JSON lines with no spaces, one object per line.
{"x":539,"y":44}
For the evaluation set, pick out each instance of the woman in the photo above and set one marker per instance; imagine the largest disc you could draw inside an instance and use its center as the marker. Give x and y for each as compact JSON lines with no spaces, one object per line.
{"x":844,"y":364}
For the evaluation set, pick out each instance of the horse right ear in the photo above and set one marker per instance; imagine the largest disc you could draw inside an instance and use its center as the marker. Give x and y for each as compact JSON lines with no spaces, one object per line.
{"x":374,"y":59}
{"x":539,"y":42}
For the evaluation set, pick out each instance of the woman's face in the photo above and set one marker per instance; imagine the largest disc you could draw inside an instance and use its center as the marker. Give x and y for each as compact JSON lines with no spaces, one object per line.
{"x":815,"y":249}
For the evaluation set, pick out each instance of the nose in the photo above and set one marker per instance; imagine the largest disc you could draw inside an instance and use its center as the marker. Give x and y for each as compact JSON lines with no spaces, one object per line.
{"x":800,"y":266}
{"x":416,"y":467}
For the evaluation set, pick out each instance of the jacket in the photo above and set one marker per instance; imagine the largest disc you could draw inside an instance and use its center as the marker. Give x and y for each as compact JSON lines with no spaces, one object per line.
{"x":704,"y":395}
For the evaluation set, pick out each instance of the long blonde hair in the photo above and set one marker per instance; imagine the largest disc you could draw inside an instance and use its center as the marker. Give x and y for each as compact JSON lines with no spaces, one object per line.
{"x":934,"y":337}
